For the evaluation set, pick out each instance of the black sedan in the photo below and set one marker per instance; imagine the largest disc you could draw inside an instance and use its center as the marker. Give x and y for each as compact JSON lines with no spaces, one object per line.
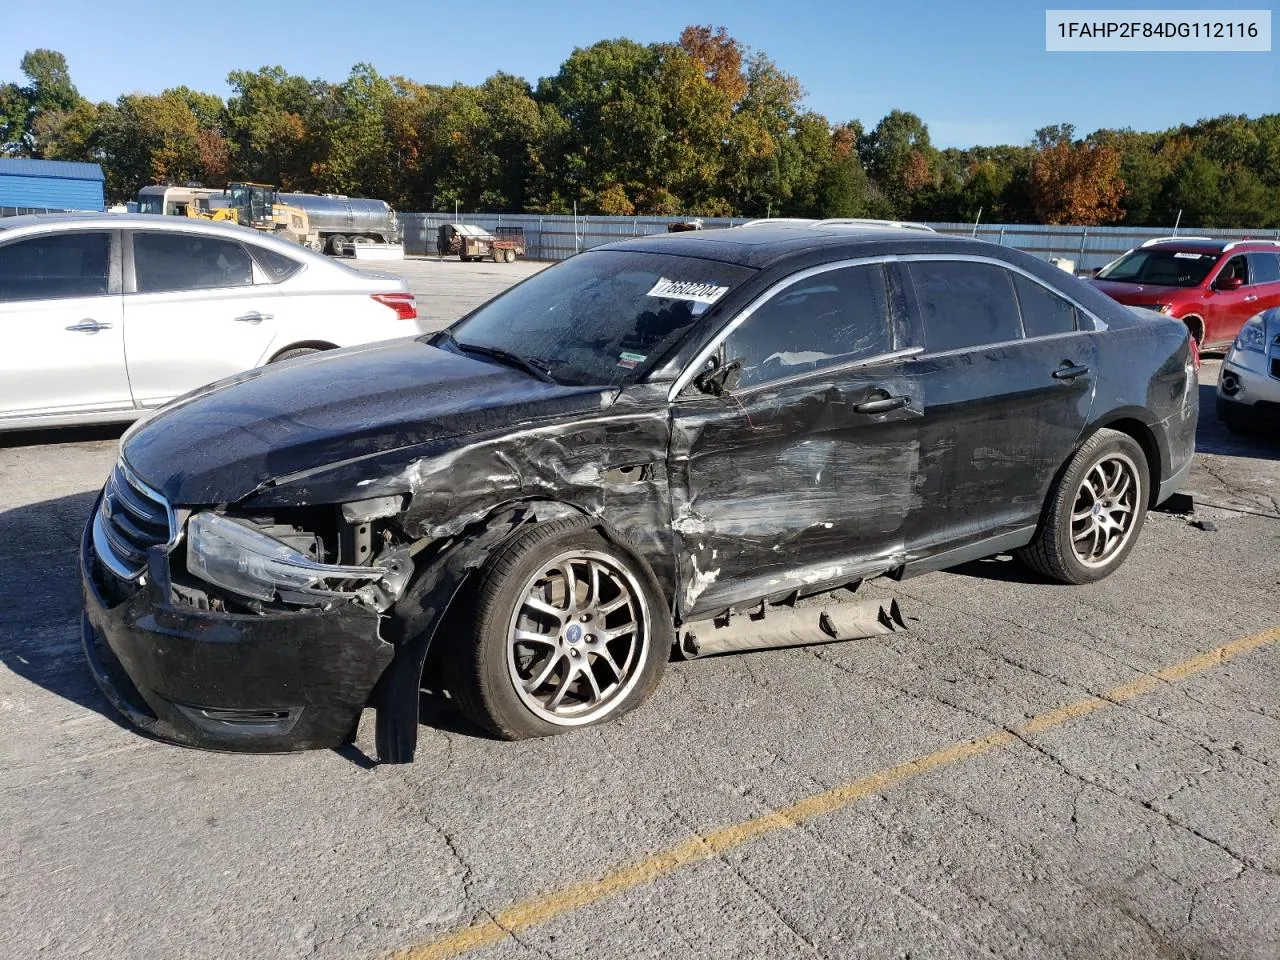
{"x":644,"y":449}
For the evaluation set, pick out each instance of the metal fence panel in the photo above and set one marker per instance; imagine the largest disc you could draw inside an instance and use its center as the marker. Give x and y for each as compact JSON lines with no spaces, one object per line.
{"x":560,"y":237}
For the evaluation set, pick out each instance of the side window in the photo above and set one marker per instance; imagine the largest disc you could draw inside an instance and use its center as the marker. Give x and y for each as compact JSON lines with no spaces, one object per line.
{"x":1043,"y":311}
{"x":1236,"y":267}
{"x":188,"y":261}
{"x":55,"y":267}
{"x":833,"y":317}
{"x":964,"y":304}
{"x":1264,"y":267}
{"x":275,"y":265}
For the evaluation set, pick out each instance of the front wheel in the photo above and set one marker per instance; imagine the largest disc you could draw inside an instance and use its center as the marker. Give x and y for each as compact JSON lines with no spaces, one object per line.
{"x":1094,"y":512}
{"x":569,"y":631}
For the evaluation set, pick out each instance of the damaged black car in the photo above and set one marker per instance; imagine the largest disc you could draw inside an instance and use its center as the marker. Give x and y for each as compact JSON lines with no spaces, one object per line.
{"x":662,"y":445}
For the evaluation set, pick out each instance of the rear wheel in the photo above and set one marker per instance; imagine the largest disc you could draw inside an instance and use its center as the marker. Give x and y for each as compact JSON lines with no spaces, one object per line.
{"x":569,"y":631}
{"x":337,"y":245}
{"x":1094,"y":512}
{"x":509,"y":256}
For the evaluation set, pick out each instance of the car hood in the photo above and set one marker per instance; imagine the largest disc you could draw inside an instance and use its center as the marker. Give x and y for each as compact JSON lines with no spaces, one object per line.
{"x":224,"y":441}
{"x":1139,"y":293}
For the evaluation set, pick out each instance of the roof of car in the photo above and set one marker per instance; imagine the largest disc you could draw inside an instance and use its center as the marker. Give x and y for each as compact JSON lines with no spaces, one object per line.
{"x":107,"y":221}
{"x":765,"y":244}
{"x":1205,"y":245}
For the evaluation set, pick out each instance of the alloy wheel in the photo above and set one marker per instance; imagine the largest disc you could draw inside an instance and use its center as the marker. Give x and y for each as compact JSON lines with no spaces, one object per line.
{"x":578,"y":638}
{"x":1106,"y":503}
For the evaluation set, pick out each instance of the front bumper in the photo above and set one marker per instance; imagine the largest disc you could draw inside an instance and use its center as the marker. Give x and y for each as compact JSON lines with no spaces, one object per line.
{"x":281,"y":682}
{"x":1250,"y":373}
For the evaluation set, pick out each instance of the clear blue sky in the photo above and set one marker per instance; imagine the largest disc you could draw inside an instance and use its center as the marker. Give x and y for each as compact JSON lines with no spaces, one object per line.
{"x":977,"y":73}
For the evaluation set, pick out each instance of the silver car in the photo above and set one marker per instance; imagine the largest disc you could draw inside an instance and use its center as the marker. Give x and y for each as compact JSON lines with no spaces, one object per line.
{"x":1249,"y":382}
{"x":107,"y":316}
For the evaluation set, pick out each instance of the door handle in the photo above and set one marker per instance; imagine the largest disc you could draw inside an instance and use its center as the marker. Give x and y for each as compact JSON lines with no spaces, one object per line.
{"x":1070,"y":371}
{"x":89,"y":326}
{"x":883,"y":405}
{"x":253,"y":317}
{"x":1250,"y":298}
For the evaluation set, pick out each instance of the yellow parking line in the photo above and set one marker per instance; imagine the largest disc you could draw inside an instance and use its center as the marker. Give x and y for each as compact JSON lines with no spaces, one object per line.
{"x":545,"y":907}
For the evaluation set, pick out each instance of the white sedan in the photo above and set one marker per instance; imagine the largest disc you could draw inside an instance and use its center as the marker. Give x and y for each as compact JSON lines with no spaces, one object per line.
{"x":107,"y":316}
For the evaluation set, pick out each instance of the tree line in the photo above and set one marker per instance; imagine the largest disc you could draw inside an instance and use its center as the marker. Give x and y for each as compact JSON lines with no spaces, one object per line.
{"x":702,"y":126}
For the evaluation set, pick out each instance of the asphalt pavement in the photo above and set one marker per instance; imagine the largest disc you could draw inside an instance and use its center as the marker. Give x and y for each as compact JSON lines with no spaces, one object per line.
{"x":1032,"y":770}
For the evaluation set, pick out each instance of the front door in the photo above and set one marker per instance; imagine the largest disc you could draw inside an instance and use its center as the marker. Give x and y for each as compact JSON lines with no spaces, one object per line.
{"x":1226,"y":310}
{"x":803,"y":474}
{"x":194,"y":313}
{"x":60,"y":316}
{"x":1008,"y":375}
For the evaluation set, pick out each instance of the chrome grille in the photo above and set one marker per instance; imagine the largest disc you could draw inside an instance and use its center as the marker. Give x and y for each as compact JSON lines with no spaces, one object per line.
{"x":131,"y":519}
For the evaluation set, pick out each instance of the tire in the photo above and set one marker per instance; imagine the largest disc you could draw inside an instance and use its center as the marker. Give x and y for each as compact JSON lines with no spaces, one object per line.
{"x":1072,"y":547}
{"x":337,"y":245}
{"x":569,"y":677}
{"x":509,"y":256}
{"x":295,"y":352}
{"x":497,"y":256}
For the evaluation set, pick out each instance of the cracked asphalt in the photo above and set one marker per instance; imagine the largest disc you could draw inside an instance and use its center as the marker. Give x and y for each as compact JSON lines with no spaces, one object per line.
{"x":1147,"y":825}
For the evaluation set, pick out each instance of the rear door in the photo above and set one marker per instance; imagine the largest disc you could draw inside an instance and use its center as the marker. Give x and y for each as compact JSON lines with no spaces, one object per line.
{"x":804,"y":472}
{"x":196,"y":309}
{"x":60,"y":316}
{"x":1264,"y":271}
{"x":1007,"y":377}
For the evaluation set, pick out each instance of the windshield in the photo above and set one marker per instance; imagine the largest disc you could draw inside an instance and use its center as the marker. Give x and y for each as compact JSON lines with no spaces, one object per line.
{"x":1163,"y":268}
{"x":151,"y":203}
{"x":600,"y":318}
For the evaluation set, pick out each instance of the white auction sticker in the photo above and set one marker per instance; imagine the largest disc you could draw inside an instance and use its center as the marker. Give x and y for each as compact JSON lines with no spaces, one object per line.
{"x":695,"y":291}
{"x":1156,"y":30}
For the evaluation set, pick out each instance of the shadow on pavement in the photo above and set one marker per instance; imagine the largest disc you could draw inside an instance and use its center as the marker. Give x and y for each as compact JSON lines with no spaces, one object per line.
{"x":1213,"y":437}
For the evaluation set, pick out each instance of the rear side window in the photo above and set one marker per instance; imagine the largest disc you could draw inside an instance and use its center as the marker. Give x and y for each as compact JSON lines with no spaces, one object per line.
{"x":55,"y":267}
{"x":964,"y":304}
{"x":1043,"y":311}
{"x":1264,"y":267}
{"x":185,"y":261}
{"x":275,"y":265}
{"x":831,"y":318}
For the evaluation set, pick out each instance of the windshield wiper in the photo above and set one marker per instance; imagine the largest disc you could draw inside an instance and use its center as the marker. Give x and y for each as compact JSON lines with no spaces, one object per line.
{"x":505,"y":356}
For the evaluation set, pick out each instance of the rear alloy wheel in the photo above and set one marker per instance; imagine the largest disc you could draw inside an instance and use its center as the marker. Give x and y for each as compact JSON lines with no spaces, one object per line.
{"x":1094,"y":513}
{"x":569,"y":631}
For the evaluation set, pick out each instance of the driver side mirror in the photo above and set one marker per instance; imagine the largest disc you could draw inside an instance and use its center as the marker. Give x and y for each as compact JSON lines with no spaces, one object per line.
{"x":1229,"y":283}
{"x":719,"y":380}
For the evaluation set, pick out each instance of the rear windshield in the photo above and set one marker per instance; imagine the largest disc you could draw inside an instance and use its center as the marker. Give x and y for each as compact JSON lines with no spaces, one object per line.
{"x":1162,"y":268}
{"x":600,"y":318}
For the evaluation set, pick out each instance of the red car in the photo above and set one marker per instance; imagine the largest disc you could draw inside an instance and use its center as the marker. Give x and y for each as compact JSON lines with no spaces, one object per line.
{"x":1213,"y":286}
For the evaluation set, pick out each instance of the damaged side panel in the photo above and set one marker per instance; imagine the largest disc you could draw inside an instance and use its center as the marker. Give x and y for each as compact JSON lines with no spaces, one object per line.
{"x":611,"y":466}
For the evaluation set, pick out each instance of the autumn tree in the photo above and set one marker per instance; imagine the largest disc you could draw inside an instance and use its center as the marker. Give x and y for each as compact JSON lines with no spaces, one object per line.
{"x":1074,"y":181}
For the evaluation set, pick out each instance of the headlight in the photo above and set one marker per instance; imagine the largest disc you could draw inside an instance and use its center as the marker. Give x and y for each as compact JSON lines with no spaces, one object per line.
{"x":235,"y":556}
{"x":1253,"y":336}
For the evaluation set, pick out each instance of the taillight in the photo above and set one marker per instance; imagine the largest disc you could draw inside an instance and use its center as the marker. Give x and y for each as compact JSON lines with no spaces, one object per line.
{"x":405,"y":306}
